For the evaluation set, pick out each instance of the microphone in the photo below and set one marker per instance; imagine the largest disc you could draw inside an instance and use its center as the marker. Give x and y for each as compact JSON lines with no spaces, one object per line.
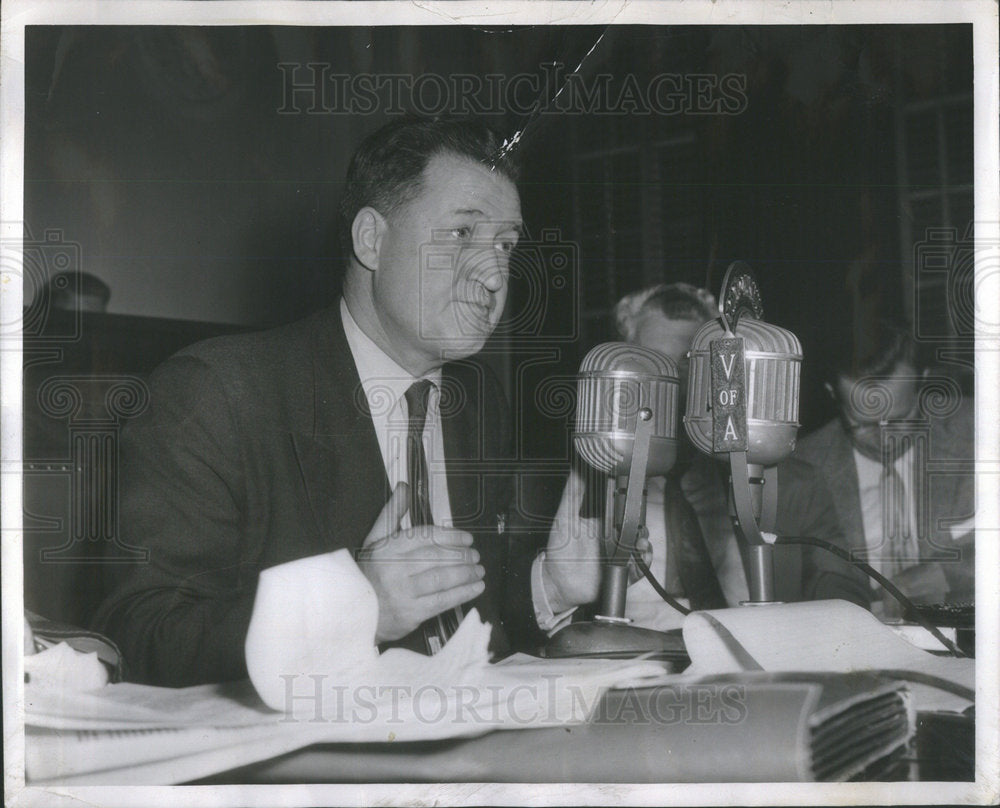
{"x":625,"y":428}
{"x":615,"y":382}
{"x":743,"y":403}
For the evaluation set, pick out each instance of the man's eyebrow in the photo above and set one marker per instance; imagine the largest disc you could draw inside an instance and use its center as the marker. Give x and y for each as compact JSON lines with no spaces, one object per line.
{"x":516,"y":226}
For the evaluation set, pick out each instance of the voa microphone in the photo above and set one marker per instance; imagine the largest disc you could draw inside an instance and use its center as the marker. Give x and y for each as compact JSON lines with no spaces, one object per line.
{"x":743,"y":406}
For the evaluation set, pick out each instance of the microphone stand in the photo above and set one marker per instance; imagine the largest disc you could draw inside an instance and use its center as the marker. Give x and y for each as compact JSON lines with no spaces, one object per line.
{"x":753,"y":488}
{"x":615,"y":580}
{"x":610,"y":634}
{"x":746,"y":505}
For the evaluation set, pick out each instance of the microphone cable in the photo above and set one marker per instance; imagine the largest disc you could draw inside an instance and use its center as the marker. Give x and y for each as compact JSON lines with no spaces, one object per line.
{"x":648,"y":574}
{"x":884,"y":582}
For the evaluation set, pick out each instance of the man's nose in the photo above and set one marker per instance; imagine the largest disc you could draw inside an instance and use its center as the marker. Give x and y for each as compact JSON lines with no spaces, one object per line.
{"x":490,"y":270}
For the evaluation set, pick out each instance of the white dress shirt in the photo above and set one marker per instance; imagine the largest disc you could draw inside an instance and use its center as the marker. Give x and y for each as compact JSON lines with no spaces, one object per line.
{"x":643,"y":604}
{"x":385,"y":384}
{"x":870,"y":494}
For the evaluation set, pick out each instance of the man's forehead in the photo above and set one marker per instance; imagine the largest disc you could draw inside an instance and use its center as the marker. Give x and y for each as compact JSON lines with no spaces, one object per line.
{"x":655,"y":321}
{"x":901,"y":375}
{"x":901,"y":385}
{"x":460,"y":174}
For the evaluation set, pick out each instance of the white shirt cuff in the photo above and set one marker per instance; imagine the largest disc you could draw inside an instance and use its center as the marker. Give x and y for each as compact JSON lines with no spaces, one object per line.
{"x":548,"y":621}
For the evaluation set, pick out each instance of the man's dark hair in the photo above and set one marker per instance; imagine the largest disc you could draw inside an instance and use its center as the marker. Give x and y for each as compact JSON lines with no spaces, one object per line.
{"x":875,"y":351}
{"x":387,"y":168}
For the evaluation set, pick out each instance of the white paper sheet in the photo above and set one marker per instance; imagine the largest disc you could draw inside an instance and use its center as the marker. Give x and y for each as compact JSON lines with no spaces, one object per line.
{"x":828,"y":635}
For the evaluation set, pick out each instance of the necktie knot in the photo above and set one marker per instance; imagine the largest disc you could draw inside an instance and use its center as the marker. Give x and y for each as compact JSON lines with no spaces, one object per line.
{"x":417,"y":397}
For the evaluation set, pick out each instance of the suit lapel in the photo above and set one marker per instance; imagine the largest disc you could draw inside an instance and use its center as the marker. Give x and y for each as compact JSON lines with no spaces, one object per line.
{"x":340,"y":459}
{"x":842,"y":478}
{"x":460,"y":433}
{"x":472,"y":507}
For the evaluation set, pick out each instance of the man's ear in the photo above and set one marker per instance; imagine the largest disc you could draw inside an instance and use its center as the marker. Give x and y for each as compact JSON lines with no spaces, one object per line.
{"x":366,"y":236}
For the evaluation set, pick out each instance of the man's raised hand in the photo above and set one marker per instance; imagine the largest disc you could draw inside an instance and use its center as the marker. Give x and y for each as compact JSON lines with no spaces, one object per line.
{"x":571,"y":573}
{"x":418,"y":572}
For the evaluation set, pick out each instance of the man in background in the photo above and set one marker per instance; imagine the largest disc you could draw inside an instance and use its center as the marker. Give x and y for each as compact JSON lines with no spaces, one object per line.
{"x":914,"y":527}
{"x":363,"y":427}
{"x":666,"y":318}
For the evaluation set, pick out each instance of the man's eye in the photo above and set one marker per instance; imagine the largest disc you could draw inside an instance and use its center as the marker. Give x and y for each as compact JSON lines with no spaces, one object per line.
{"x":506,"y":247}
{"x":463,"y":233}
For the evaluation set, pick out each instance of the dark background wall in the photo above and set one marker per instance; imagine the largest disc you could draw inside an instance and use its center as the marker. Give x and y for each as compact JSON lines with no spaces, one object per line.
{"x":200,"y":178}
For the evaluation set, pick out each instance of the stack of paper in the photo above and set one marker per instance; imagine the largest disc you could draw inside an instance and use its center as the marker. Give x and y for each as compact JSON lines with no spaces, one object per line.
{"x":827,"y":636}
{"x":134,"y":734}
{"x":311,"y":653}
{"x":316,"y":676}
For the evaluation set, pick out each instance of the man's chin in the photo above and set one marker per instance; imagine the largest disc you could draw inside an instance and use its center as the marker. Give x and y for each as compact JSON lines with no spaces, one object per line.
{"x":459,"y":347}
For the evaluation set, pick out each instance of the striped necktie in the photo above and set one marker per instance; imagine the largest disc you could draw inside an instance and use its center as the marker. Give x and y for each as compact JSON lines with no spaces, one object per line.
{"x":899,"y":535}
{"x":437,"y":629}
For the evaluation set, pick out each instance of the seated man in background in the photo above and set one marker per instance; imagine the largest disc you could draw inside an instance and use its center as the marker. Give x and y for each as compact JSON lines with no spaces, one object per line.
{"x":666,"y":318}
{"x":914,"y":527}
{"x":358,"y":428}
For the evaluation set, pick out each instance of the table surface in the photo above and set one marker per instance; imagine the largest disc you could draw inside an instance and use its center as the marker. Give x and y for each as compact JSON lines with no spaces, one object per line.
{"x":626,"y":751}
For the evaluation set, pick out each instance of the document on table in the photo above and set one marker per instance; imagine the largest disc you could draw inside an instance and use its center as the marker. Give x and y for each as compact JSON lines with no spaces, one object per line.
{"x":316,"y":680}
{"x":312,"y":680}
{"x":824,"y":636}
{"x":136,"y":734}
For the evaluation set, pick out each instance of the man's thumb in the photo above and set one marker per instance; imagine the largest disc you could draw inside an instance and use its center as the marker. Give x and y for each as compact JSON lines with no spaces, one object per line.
{"x":573,"y":493}
{"x":392,"y":514}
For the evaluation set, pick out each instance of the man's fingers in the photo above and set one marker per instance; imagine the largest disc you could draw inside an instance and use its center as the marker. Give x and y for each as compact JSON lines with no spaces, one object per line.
{"x":432,"y":545}
{"x":392,"y":514}
{"x":573,"y":493}
{"x":449,"y":599}
{"x":569,"y":527}
{"x":441,"y":579}
{"x":430,"y":555}
{"x":434,"y":536}
{"x":419,"y":549}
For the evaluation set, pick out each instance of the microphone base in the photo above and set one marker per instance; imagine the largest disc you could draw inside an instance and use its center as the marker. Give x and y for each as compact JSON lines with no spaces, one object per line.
{"x":609,"y":639}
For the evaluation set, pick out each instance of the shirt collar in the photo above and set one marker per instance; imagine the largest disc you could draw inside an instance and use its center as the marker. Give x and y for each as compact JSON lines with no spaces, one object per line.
{"x":873,"y":468}
{"x":378,"y":371}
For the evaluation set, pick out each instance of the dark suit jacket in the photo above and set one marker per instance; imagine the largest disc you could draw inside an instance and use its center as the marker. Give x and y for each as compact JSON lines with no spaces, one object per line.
{"x":257,"y":450}
{"x":950,"y":486}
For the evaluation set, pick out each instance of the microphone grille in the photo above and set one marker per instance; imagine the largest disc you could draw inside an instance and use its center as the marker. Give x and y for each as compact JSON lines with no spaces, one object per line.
{"x":773,"y":360}
{"x":612,"y":356}
{"x":615,"y":381}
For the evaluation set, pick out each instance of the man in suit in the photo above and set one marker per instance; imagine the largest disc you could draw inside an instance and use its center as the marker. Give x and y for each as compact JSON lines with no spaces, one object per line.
{"x":897,"y":460}
{"x":265,"y":448}
{"x":666,"y":318}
